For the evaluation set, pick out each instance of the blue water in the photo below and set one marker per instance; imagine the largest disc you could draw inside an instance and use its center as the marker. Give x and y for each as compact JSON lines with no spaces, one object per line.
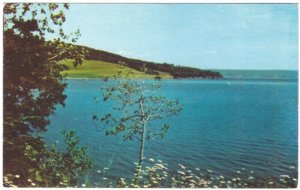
{"x":260,"y":74}
{"x":225,"y":125}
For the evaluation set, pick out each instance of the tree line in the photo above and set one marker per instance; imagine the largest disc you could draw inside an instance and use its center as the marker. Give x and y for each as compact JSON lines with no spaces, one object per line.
{"x":151,"y":67}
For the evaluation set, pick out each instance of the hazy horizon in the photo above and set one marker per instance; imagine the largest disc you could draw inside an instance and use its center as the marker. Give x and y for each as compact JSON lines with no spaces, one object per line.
{"x":206,"y":36}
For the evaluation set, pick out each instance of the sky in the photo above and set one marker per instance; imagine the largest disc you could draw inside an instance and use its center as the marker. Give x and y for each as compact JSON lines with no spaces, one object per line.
{"x":207,"y":36}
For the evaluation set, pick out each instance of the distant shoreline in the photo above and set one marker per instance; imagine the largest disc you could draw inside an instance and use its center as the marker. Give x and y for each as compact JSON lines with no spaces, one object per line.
{"x":227,"y":75}
{"x":200,"y":79}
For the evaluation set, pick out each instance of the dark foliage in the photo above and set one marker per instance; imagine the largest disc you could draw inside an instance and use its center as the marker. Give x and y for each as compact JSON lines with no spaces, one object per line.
{"x":33,"y":85}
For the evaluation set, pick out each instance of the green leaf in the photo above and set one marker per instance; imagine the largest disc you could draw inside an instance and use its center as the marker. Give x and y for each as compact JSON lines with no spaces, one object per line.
{"x":38,"y":176}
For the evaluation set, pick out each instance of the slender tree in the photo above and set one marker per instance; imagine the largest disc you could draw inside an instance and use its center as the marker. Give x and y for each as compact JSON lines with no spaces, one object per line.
{"x":136,"y":110}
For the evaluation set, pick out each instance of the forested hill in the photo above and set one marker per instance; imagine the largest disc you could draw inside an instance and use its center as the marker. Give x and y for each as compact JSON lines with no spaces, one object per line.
{"x":151,"y":67}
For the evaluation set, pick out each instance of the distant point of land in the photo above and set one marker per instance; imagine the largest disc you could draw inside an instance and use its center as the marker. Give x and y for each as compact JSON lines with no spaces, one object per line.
{"x":100,"y":64}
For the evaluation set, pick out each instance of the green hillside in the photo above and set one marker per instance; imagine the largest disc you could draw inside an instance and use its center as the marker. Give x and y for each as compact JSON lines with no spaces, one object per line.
{"x":151,"y":68}
{"x":101,"y":69}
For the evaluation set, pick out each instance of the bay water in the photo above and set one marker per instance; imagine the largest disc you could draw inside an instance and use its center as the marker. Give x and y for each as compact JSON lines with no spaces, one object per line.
{"x":226,"y":125}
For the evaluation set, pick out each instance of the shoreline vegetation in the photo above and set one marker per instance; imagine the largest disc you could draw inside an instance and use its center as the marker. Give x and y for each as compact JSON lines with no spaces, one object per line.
{"x":94,"y":69}
{"x":151,"y":68}
{"x":100,"y":63}
{"x":102,"y":69}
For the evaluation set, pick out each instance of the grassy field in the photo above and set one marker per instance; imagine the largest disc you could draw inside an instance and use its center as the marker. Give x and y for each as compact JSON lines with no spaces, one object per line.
{"x":101,"y":69}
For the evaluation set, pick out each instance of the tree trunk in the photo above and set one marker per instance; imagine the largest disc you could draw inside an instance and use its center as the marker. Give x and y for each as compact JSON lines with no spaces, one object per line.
{"x":143,"y":133}
{"x":142,"y":147}
{"x":141,"y":157}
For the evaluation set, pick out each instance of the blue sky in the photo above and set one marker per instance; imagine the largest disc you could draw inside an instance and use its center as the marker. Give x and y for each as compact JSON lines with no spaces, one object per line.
{"x":208,"y":36}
